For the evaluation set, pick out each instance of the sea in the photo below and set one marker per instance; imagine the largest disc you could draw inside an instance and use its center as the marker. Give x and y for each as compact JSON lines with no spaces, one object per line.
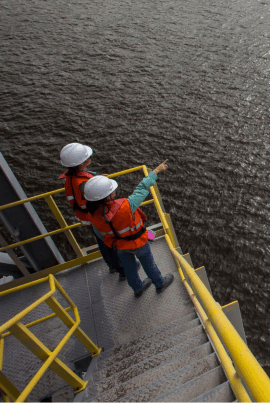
{"x":140,"y":82}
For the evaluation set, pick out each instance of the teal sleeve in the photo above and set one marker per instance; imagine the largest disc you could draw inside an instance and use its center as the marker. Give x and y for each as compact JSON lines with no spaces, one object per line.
{"x":142,"y":190}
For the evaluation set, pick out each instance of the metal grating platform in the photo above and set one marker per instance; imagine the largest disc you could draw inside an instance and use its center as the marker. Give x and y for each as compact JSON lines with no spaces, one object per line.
{"x":110,"y":315}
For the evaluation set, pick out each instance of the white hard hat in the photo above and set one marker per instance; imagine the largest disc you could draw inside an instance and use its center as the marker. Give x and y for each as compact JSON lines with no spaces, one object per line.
{"x":99,"y":187}
{"x":74,"y":154}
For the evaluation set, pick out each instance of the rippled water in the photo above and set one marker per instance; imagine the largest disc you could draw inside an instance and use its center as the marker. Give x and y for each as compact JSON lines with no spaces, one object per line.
{"x":141,"y":81}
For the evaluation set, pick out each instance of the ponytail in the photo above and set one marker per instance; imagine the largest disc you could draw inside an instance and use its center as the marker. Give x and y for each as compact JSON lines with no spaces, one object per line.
{"x":92,"y":206}
{"x":72,"y":171}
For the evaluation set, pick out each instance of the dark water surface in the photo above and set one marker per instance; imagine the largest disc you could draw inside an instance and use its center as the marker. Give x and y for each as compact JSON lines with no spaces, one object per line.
{"x":140,"y":81}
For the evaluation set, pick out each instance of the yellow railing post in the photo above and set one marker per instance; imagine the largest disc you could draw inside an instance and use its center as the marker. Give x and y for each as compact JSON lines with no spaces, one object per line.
{"x":23,"y":334}
{"x":8,"y":387}
{"x":46,"y":356}
{"x":69,"y":322}
{"x":55,"y":210}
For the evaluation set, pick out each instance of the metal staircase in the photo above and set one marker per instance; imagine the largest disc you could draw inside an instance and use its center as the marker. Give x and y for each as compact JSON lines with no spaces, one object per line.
{"x":165,"y":347}
{"x":174,"y":363}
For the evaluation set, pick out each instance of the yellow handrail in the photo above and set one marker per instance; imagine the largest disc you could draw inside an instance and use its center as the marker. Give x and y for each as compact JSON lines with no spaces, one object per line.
{"x":49,"y":358}
{"x":64,"y":228}
{"x":250,"y":370}
{"x":225,"y":360}
{"x":253,"y":375}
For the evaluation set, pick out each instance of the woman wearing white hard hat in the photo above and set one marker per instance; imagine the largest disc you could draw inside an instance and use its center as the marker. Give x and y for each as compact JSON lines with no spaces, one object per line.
{"x":120,"y":221}
{"x":76,"y":157}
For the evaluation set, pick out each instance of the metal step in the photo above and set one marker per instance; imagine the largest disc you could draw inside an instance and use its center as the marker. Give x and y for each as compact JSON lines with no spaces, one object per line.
{"x":151,"y":370}
{"x":157,"y":360}
{"x":156,"y":345}
{"x":106,"y":355}
{"x":141,"y":356}
{"x":198,"y":385}
{"x":107,"y":366}
{"x":175,"y":379}
{"x":220,"y":394}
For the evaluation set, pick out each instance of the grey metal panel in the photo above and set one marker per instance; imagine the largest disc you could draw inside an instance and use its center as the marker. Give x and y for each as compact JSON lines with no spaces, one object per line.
{"x":7,"y":266}
{"x":233,"y":314}
{"x":201,"y":272}
{"x":23,"y":222}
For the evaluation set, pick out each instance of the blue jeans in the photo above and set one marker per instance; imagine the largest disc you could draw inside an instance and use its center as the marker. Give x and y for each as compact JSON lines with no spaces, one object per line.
{"x":110,"y":256}
{"x":145,"y":257}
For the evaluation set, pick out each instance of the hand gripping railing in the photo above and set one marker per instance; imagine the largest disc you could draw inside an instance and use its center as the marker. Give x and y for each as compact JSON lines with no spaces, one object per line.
{"x":23,"y":334}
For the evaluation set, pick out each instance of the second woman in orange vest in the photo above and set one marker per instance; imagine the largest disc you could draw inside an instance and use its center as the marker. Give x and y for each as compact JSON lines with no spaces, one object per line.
{"x":76,"y":157}
{"x":120,"y":221}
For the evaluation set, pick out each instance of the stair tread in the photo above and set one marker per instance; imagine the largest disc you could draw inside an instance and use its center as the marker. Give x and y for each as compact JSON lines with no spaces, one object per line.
{"x":156,"y":352}
{"x":134,"y":354}
{"x":175,"y":369}
{"x":199,"y":385}
{"x":106,"y":384}
{"x":222,"y":394}
{"x":110,"y":356}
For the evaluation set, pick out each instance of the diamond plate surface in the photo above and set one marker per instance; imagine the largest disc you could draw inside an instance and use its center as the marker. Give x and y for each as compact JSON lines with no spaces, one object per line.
{"x":120,"y":317}
{"x":112,"y":370}
{"x":20,"y":365}
{"x":147,"y":344}
{"x":110,"y":315}
{"x":175,"y":379}
{"x":157,"y":367}
{"x":108,"y":361}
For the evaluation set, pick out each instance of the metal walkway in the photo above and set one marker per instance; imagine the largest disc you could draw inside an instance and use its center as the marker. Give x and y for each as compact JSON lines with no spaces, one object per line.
{"x":110,"y":315}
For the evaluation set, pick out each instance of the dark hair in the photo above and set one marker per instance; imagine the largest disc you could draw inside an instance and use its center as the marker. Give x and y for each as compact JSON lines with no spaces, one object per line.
{"x":71,"y":171}
{"x":92,"y":206}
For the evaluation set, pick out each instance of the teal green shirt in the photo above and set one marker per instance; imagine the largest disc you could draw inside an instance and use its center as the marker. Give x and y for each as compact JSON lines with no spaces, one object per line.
{"x":142,"y":190}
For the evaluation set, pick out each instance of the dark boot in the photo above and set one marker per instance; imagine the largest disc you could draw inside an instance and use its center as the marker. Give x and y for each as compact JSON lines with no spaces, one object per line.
{"x":122,"y":277}
{"x":167,"y":281}
{"x":146,"y":283}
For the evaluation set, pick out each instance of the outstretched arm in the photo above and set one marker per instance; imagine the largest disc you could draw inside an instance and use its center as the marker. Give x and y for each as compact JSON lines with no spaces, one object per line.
{"x":142,"y":190}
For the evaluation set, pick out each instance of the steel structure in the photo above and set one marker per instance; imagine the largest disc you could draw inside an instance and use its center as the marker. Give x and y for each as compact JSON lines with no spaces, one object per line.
{"x":248,"y":380}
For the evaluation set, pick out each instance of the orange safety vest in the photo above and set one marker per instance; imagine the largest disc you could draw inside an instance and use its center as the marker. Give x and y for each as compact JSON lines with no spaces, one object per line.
{"x":127,"y":231}
{"x":72,"y":189}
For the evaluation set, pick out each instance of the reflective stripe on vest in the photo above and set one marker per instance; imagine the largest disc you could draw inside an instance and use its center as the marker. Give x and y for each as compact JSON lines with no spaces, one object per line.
{"x":85,"y":223}
{"x":130,"y":228}
{"x":124,"y":222}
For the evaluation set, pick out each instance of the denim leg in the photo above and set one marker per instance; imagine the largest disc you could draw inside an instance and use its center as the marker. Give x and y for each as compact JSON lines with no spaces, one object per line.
{"x":110,"y":256}
{"x":146,"y":258}
{"x":129,"y":263}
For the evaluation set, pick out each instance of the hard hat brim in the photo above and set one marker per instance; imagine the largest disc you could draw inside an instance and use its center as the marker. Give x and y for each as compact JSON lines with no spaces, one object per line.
{"x":89,"y":153}
{"x":114,"y":185}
